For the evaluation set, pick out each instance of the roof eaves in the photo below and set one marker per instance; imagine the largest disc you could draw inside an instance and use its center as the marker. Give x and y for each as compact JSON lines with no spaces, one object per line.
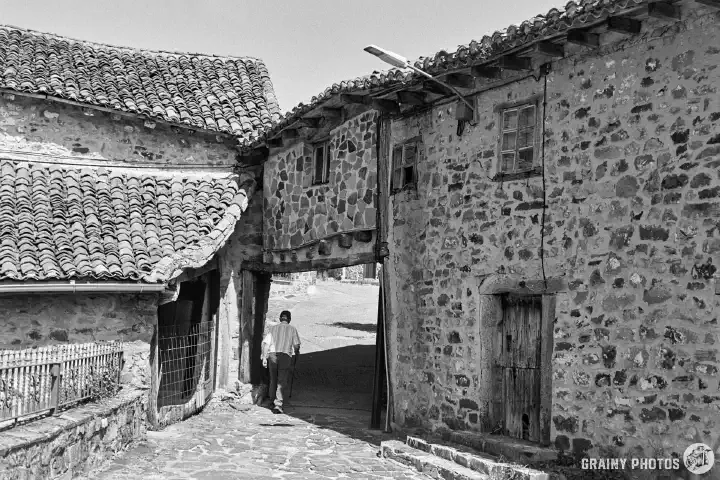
{"x":199,"y":254}
{"x":539,"y":28}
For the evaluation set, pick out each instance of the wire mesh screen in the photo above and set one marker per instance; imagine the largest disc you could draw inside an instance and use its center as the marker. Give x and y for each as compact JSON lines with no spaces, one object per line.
{"x":185,"y":363}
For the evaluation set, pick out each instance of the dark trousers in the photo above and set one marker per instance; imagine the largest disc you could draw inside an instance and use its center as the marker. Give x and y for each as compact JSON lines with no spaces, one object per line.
{"x":280,"y":367}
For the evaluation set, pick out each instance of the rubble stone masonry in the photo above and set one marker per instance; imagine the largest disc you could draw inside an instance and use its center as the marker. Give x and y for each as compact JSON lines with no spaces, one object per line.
{"x":297,"y":211}
{"x":34,"y":129}
{"x":632,"y":150}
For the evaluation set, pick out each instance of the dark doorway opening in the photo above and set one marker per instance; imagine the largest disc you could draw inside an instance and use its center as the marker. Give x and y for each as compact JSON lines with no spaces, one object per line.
{"x":185,"y":338}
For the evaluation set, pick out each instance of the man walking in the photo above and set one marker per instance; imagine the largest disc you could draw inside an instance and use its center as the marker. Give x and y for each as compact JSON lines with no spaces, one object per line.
{"x":279,"y":346}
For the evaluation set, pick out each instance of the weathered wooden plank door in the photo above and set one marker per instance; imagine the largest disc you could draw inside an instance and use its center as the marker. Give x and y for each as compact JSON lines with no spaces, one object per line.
{"x":518,"y":365}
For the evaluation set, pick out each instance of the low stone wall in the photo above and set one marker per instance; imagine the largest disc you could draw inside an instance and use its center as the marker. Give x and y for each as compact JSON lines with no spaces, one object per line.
{"x":74,"y":441}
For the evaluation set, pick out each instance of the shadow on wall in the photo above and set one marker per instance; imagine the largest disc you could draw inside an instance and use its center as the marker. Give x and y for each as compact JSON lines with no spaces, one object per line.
{"x":363,"y":327}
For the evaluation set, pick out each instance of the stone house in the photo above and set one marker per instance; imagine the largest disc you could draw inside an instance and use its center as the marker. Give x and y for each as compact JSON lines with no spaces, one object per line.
{"x":123,"y":209}
{"x":549,"y":256}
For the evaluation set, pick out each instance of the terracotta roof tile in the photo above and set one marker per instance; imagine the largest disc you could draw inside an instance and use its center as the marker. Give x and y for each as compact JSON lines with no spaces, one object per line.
{"x":227,"y":94}
{"x":65,"y":222}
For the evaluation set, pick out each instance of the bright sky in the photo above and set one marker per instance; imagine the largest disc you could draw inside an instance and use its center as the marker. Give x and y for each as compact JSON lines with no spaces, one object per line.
{"x":307,"y":45}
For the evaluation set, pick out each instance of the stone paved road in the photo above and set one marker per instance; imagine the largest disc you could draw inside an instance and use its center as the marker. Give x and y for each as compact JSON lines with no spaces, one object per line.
{"x":247,"y":442}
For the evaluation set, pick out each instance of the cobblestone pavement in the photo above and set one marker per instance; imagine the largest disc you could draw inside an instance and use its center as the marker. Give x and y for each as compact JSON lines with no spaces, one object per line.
{"x":231,"y":441}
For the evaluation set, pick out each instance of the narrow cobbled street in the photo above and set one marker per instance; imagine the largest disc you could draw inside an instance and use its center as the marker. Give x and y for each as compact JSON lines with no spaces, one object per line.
{"x":323,"y":434}
{"x":228,"y":441}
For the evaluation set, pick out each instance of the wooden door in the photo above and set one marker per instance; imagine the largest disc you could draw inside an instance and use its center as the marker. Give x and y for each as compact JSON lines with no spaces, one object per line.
{"x":518,"y":366}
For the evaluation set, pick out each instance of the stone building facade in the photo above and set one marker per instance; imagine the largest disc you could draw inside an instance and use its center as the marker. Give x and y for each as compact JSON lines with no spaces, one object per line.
{"x":301,"y":208}
{"x":626,"y":215}
{"x":603,"y":231}
{"x":118,"y":191}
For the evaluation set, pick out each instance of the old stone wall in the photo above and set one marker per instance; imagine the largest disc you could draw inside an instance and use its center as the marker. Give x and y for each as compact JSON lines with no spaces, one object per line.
{"x":76,"y":441}
{"x":298,"y":212}
{"x":47,"y":131}
{"x":632,"y":150}
{"x":48,"y":319}
{"x":244,"y":244}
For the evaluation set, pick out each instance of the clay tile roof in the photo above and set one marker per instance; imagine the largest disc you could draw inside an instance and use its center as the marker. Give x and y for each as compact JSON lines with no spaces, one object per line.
{"x":575,"y":15}
{"x":227,"y":94}
{"x":63,"y":223}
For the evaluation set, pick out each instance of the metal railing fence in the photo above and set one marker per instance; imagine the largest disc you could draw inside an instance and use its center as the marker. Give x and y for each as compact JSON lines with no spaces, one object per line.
{"x":46,"y":379}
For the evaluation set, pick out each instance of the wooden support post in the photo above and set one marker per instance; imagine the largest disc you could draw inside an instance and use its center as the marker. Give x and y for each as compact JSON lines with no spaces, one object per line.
{"x":121,"y":365}
{"x":214,"y":286}
{"x":586,"y":39}
{"x":546,"y":370}
{"x":625,"y":25}
{"x":460,"y":80}
{"x":379,"y":380}
{"x":663,"y":10}
{"x":246,"y":326}
{"x":549,"y":49}
{"x":262,"y":294}
{"x":483,"y":71}
{"x":510,"y":62}
{"x":385,"y":106}
{"x":411,"y":98}
{"x":55,"y":385}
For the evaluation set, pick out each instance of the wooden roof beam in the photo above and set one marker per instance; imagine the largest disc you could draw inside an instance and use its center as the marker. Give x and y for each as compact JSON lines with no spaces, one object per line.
{"x":330,"y":113}
{"x":584,"y":38}
{"x":289,"y":136}
{"x":385,"y":106}
{"x":625,"y":25}
{"x":663,"y":10}
{"x":308,"y":122}
{"x":460,"y":80}
{"x":484,"y":71}
{"x":408,"y":97}
{"x":511,"y":62}
{"x":436,"y":88}
{"x":275,"y":142}
{"x":356,"y":99}
{"x":549,"y":49}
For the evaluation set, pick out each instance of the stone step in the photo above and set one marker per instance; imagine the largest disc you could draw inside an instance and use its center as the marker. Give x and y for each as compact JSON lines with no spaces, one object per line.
{"x":481,"y":463}
{"x":426,"y":463}
{"x":512,"y":449}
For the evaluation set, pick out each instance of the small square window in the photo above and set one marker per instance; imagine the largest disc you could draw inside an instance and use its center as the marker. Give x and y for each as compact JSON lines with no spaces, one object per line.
{"x":404,"y":164}
{"x":517,"y":146}
{"x":321,"y":164}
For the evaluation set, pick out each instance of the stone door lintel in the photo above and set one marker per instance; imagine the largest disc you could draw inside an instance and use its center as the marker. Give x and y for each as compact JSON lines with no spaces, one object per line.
{"x":495,"y":284}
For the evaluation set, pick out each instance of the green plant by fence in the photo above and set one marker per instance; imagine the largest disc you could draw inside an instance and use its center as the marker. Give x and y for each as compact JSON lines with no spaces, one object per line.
{"x":43,"y":380}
